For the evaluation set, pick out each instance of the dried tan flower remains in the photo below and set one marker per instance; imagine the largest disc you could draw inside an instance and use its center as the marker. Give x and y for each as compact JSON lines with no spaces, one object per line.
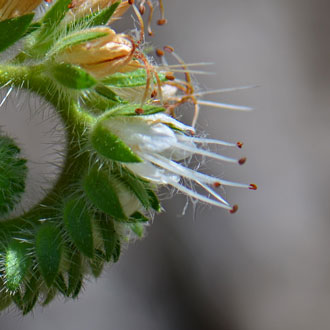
{"x":13,"y":8}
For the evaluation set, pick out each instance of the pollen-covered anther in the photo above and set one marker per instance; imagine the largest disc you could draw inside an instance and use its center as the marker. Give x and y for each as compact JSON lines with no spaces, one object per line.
{"x":153,"y":94}
{"x":131,"y":2}
{"x":234,"y":209}
{"x":102,"y":56}
{"x":139,"y":111}
{"x":159,"y":52}
{"x":142,"y":9}
{"x":216,"y":184}
{"x":168,"y":49}
{"x":239,"y":144}
{"x":170,"y":76}
{"x":253,"y":186}
{"x":242,"y":161}
{"x":162,"y":21}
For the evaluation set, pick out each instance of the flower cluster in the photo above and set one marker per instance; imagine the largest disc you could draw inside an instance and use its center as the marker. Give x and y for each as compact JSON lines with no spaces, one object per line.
{"x":124,"y":142}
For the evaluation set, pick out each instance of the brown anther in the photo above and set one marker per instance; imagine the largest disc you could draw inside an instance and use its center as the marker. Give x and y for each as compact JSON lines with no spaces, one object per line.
{"x":49,"y":1}
{"x":131,"y":2}
{"x":142,"y":9}
{"x":70,"y":6}
{"x":168,"y":49}
{"x":234,"y":209}
{"x":170,"y":76}
{"x":150,"y":33}
{"x":192,"y":133}
{"x":162,"y":21}
{"x":253,"y":186}
{"x":159,"y":52}
{"x":239,"y":144}
{"x":216,"y":184}
{"x":153,"y":94}
{"x":139,"y":111}
{"x":242,"y":161}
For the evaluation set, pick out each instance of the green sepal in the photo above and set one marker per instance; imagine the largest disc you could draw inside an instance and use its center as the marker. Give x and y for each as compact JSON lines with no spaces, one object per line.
{"x":101,"y":192}
{"x":51,"y":294}
{"x":154,"y":201}
{"x":18,"y":300}
{"x":72,"y":76}
{"x":102,"y":17}
{"x":55,"y":15}
{"x":135,"y":186}
{"x":60,"y":284}
{"x":138,"y":229}
{"x":79,"y":226}
{"x":13,"y":173}
{"x":48,"y":247}
{"x":138,"y":217}
{"x":74,"y":273}
{"x":108,"y":93}
{"x":111,"y":146}
{"x":78,"y":288}
{"x":17,"y":263}
{"x":97,"y":263}
{"x":31,"y":294}
{"x":109,"y":237}
{"x":5,"y":298}
{"x":77,"y":38}
{"x":13,"y":29}
{"x":135,"y":78}
{"x":116,"y":251}
{"x":130,"y":110}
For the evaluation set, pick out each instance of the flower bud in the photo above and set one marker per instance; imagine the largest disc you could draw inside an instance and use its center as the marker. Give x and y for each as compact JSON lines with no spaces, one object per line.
{"x":103,"y":56}
{"x":80,"y":8}
{"x":13,"y":8}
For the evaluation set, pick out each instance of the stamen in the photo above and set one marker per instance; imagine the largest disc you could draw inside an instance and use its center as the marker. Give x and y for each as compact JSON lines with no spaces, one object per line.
{"x":131,"y":2}
{"x":239,"y":144}
{"x":139,"y":111}
{"x":208,"y":141}
{"x":194,"y":194}
{"x":242,"y":161}
{"x":234,"y":209}
{"x":170,"y":76}
{"x":159,"y":52}
{"x":207,"y":153}
{"x":253,"y":186}
{"x":162,"y":20}
{"x":138,"y":15}
{"x":224,"y":90}
{"x":224,"y":105}
{"x":214,"y":194}
{"x":142,"y":8}
{"x":151,"y":8}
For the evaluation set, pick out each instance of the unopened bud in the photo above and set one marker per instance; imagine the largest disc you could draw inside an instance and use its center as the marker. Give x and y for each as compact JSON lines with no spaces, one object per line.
{"x":102,"y":56}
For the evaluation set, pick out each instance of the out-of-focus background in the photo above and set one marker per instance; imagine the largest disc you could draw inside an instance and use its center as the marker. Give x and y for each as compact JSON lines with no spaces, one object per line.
{"x":268,"y":266}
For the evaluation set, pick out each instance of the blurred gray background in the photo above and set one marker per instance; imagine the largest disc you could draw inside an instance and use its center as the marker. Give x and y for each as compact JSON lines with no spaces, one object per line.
{"x":268,"y":266}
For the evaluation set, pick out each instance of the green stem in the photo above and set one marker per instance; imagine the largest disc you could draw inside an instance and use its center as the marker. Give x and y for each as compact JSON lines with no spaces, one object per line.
{"x":76,"y":121}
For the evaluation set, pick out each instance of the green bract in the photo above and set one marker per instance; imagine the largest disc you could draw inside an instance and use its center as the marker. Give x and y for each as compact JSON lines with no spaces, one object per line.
{"x":82,"y":222}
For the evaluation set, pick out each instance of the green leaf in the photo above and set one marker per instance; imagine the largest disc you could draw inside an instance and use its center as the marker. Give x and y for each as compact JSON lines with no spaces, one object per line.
{"x":77,"y":38}
{"x":11,"y":30}
{"x":5,"y":298}
{"x":109,"y":237}
{"x":55,"y":14}
{"x":13,"y":173}
{"x":130,"y":79}
{"x":102,"y":193}
{"x":154,"y":201}
{"x":130,"y":110}
{"x":111,"y":146}
{"x":72,"y":76}
{"x":48,"y":247}
{"x":79,"y":226}
{"x":75,"y":272}
{"x":17,"y":263}
{"x":102,"y":17}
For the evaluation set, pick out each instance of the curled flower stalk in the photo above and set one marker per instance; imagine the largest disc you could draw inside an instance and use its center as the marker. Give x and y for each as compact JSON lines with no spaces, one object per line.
{"x":123,"y":142}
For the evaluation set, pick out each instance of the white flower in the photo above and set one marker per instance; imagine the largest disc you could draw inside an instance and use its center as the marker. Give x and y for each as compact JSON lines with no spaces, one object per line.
{"x":162,"y":142}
